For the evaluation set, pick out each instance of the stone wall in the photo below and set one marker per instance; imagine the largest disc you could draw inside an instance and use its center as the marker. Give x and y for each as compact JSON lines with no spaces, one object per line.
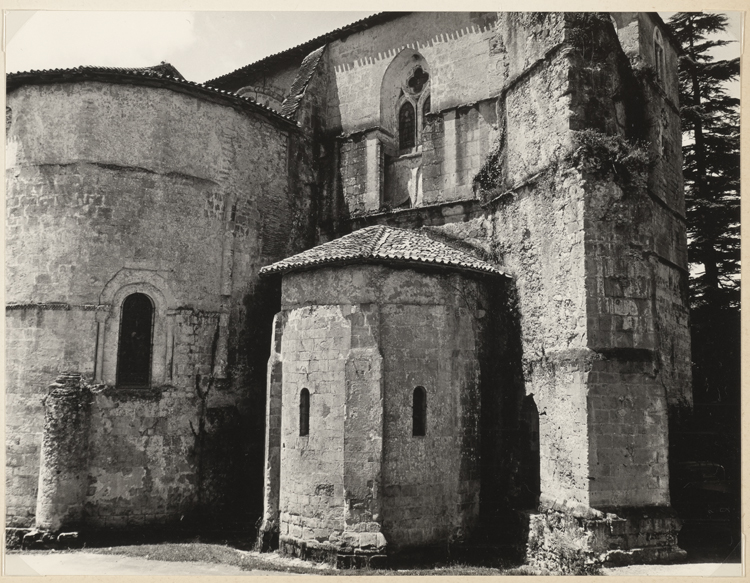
{"x":108,"y":194}
{"x":598,"y":260}
{"x":57,"y":337}
{"x":467,"y":123}
{"x":142,"y":461}
{"x":312,"y":466}
{"x":431,"y":482}
{"x":361,"y":339}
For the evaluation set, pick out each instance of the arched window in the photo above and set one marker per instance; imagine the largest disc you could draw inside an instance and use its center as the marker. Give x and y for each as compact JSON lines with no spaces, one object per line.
{"x":425,"y":111}
{"x":419,"y":412}
{"x":135,"y":346}
{"x":406,"y":126}
{"x":659,"y":64}
{"x":304,"y":412}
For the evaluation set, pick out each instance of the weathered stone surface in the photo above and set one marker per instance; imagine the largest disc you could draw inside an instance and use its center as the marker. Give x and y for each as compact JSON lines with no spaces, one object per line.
{"x":561,"y":542}
{"x":64,"y":459}
{"x":549,"y":149}
{"x":108,"y":195}
{"x":360,"y":339}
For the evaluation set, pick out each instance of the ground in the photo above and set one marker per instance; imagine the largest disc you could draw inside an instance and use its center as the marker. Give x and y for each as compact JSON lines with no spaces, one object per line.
{"x":200,"y":559}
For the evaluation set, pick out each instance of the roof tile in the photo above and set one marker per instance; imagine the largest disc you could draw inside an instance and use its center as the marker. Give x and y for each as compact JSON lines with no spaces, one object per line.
{"x":381,"y":244}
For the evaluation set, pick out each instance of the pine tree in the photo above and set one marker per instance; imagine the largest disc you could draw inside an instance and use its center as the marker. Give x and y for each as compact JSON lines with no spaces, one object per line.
{"x":711,"y":152}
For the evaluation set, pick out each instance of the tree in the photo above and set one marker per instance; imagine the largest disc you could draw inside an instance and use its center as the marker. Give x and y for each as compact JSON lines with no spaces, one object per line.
{"x":711,"y":152}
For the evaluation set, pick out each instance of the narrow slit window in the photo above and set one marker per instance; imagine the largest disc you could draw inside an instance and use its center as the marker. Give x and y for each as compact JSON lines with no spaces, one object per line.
{"x":304,"y":412}
{"x":135,"y":346}
{"x":406,"y":126}
{"x":419,"y":411}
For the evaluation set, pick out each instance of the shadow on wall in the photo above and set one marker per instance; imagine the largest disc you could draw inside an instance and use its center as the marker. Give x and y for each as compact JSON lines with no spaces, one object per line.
{"x":510,"y":429}
{"x":230,"y":438}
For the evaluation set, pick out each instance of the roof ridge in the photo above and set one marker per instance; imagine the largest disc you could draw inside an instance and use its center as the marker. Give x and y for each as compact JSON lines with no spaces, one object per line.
{"x":314,"y":43}
{"x":385,"y":244}
{"x":380,"y":240}
{"x":298,"y":90}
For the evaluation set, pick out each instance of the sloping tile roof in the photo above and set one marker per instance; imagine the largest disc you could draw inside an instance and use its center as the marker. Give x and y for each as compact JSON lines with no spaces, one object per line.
{"x":381,"y":244}
{"x":160,"y":76}
{"x":305,"y":73}
{"x":233,"y":79}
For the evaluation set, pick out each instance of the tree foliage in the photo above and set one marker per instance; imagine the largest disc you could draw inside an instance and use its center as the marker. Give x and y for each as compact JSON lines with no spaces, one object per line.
{"x":711,"y":152}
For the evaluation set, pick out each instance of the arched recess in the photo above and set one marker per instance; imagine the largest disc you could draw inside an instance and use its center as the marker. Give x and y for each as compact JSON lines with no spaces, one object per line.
{"x":404,"y":101}
{"x":135,"y":343}
{"x":126,"y":283}
{"x":530,"y":481}
{"x":407,"y":78}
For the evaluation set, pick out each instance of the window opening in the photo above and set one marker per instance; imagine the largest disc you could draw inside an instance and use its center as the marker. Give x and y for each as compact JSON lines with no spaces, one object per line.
{"x":419,"y":412}
{"x":418,"y":80}
{"x":659,"y":57}
{"x":425,"y":111}
{"x":304,"y":412}
{"x":406,"y":126}
{"x":135,"y":346}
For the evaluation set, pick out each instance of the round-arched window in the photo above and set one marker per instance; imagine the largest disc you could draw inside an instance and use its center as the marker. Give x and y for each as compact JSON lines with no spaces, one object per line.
{"x":135,"y":347}
{"x":304,"y":412}
{"x":419,"y":412}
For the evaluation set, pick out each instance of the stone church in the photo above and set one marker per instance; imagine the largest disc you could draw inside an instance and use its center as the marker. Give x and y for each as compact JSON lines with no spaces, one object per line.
{"x":418,"y":282}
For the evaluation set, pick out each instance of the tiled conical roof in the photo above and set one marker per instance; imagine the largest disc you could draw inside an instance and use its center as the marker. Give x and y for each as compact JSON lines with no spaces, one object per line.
{"x":381,"y":244}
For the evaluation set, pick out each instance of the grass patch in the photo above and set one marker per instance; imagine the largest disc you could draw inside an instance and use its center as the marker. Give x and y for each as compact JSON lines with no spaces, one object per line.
{"x":212,"y":553}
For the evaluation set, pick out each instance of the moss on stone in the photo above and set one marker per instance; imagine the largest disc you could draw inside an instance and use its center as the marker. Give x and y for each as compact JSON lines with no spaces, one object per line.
{"x":625,"y":161}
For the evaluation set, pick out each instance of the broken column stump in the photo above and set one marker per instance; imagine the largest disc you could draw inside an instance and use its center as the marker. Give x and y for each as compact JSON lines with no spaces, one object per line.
{"x":63,"y":468}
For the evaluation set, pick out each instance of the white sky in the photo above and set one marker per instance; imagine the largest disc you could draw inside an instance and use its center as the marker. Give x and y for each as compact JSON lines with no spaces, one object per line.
{"x":202,"y":45}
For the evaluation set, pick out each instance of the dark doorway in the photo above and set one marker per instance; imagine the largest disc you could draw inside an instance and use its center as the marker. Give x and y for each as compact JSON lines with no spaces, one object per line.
{"x":134,"y":349}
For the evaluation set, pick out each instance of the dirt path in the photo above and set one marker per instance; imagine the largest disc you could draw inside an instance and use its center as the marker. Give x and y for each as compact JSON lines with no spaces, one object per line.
{"x":82,"y":563}
{"x":96,"y":564}
{"x":685,"y":570}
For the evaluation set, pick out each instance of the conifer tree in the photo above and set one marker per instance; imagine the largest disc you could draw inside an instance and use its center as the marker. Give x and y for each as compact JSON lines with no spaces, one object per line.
{"x":711,"y":171}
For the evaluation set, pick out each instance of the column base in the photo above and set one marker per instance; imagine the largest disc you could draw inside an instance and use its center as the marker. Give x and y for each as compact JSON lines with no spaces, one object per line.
{"x":350,"y":550}
{"x":565,"y":543}
{"x":268,"y":536}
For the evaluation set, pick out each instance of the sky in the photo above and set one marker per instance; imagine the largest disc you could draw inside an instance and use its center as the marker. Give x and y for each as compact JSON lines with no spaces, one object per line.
{"x":201,"y":45}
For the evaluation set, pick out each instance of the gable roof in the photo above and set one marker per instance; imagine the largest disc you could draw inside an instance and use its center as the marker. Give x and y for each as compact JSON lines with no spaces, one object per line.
{"x":381,"y":244}
{"x":235,"y":78}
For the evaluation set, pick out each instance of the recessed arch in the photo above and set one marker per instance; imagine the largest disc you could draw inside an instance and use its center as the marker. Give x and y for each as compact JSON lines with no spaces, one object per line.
{"x":529,"y":471}
{"x":135,"y":342}
{"x":406,"y":78}
{"x":112,"y":297}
